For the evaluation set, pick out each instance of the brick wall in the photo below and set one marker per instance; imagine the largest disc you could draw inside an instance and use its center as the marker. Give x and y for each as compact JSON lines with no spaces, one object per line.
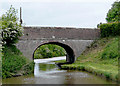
{"x":60,"y":33}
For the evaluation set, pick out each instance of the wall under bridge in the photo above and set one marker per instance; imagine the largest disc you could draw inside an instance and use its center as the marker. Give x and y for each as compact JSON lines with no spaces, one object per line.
{"x":73,"y":40}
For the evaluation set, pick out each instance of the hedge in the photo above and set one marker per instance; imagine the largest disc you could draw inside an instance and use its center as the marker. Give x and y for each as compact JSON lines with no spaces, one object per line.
{"x":110,"y":29}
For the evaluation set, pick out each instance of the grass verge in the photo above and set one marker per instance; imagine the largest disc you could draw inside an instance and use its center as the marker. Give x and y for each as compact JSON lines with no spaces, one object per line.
{"x":14,"y":63}
{"x":100,"y":58}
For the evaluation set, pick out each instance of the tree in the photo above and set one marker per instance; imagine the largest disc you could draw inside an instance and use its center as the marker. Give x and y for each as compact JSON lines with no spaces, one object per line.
{"x":113,"y":14}
{"x":11,"y":29}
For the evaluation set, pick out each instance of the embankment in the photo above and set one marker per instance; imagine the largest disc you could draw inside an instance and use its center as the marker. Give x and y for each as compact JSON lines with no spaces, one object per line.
{"x":100,"y":58}
{"x":14,"y":63}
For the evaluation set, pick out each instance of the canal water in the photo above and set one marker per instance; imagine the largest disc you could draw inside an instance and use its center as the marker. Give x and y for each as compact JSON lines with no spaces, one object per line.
{"x":46,"y":72}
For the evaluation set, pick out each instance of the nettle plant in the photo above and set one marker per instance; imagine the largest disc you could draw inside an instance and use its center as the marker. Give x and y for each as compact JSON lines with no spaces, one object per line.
{"x":11,"y":29}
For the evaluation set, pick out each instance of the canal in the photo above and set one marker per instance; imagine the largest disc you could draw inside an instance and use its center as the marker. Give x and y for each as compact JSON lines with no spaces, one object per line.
{"x":46,"y":72}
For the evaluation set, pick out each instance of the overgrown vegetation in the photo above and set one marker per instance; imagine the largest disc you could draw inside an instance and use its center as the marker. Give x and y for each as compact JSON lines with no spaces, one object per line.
{"x":48,"y":51}
{"x":101,"y":58}
{"x":11,"y":29}
{"x":110,"y":29}
{"x":113,"y":14}
{"x":14,"y":63}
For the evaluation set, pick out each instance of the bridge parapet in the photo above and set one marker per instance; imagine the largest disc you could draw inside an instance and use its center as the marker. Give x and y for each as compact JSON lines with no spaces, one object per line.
{"x":60,"y":33}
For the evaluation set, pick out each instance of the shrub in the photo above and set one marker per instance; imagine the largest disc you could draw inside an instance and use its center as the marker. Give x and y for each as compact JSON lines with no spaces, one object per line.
{"x":110,"y":29}
{"x":107,"y":75}
{"x":11,"y":30}
{"x":104,"y":55}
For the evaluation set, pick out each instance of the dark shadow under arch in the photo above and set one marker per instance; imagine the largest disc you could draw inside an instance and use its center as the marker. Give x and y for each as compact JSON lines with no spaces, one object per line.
{"x":70,"y":57}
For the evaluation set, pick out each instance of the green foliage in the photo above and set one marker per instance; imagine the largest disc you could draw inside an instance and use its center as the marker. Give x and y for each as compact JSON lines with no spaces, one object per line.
{"x":111,"y":50}
{"x":11,"y":30}
{"x":11,"y":15}
{"x":114,"y":13}
{"x":98,"y":25}
{"x":110,"y":29}
{"x":12,"y":61}
{"x":48,"y":51}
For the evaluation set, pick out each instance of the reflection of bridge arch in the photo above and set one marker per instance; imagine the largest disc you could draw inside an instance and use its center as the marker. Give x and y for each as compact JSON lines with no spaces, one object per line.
{"x":70,"y":57}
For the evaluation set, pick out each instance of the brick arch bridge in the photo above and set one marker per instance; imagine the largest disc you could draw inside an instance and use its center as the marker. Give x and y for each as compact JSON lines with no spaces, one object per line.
{"x":73,"y":40}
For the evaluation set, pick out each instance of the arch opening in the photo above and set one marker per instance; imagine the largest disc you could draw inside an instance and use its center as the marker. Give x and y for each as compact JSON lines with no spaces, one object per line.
{"x":49,"y":51}
{"x":70,"y":56}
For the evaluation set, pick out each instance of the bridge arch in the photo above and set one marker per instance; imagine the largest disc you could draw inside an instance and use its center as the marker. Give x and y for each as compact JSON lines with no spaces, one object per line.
{"x":70,"y":57}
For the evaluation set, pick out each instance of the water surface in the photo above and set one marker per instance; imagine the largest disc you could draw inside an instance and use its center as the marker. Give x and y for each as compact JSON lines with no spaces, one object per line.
{"x":47,"y":73}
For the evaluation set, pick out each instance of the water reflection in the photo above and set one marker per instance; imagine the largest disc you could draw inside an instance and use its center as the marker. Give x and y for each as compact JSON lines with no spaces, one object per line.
{"x":48,"y":73}
{"x":46,"y":70}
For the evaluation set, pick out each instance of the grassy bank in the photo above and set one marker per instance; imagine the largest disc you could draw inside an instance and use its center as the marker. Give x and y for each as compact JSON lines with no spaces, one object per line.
{"x":101,"y":58}
{"x":14,"y":63}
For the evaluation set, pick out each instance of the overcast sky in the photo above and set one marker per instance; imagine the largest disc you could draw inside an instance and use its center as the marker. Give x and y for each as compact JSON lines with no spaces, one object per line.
{"x":60,"y":13}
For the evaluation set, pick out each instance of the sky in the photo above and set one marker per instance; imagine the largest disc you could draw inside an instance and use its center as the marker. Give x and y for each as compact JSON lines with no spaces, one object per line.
{"x":60,"y":13}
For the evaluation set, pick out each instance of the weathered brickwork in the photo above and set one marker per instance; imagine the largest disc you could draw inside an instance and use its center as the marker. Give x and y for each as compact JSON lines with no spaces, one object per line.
{"x":60,"y":33}
{"x":76,"y":39}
